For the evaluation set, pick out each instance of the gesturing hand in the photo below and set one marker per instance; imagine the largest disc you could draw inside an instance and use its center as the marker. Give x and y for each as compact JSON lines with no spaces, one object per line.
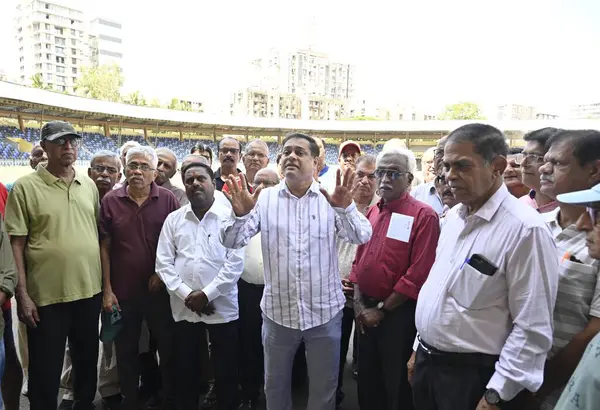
{"x":241,"y":200}
{"x":343,"y":193}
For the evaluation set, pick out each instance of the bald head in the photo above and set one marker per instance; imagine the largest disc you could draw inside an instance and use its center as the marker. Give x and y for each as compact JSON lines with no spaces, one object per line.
{"x":37,"y":155}
{"x":194,"y":159}
{"x":167,"y":165}
{"x":427,"y":165}
{"x":266,"y":176}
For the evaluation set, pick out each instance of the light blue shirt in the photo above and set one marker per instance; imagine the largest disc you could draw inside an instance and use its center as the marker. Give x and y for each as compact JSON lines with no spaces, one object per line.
{"x":428,"y":194}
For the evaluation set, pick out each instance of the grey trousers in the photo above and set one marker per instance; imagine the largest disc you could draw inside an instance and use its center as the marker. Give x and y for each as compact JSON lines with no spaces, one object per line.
{"x":322,"y":345}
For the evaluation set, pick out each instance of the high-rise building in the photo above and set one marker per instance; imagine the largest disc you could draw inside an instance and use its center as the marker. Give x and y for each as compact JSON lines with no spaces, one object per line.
{"x":509,"y":112}
{"x":585,"y":111}
{"x":106,"y":42}
{"x":52,"y":42}
{"x":304,"y":72}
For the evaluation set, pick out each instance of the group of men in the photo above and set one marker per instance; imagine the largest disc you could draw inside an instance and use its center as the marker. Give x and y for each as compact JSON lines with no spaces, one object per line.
{"x":477,"y":289}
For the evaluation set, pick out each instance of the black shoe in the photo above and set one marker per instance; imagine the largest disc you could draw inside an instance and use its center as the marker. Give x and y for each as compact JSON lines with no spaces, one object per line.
{"x":251,"y":404}
{"x":65,"y":405}
{"x":112,"y":402}
{"x":210,"y":401}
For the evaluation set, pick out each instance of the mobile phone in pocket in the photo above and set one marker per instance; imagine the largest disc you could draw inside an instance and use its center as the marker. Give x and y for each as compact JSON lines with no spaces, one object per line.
{"x":482,"y":265}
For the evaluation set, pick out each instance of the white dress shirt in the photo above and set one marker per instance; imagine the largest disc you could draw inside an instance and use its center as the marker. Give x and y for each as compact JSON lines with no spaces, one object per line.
{"x":302,"y":285}
{"x":427,"y":193}
{"x":254,"y":268}
{"x":191,"y":257}
{"x":508,"y":314}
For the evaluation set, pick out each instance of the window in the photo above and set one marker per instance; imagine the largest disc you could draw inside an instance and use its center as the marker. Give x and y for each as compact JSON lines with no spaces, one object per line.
{"x":36,"y":26}
{"x":60,"y":70}
{"x":47,"y":26}
{"x":74,"y":70}
{"x":61,"y":79}
{"x":47,"y":17}
{"x":60,"y":51}
{"x":73,"y":42}
{"x":60,"y":60}
{"x":47,"y":6}
{"x":49,"y":76}
{"x":73,"y":32}
{"x":74,"y":51}
{"x":48,"y":47}
{"x":60,"y":41}
{"x":49,"y":66}
{"x":73,"y":61}
{"x":74,"y":80}
{"x":48,"y":56}
{"x":62,"y":88}
{"x":48,"y":37}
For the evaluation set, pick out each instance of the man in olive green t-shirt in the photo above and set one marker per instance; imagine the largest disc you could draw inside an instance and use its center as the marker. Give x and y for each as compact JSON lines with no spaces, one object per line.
{"x":51,"y":218}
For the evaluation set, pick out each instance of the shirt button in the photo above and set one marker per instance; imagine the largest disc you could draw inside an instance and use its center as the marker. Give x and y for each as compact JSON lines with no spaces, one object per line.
{"x":452,"y":261}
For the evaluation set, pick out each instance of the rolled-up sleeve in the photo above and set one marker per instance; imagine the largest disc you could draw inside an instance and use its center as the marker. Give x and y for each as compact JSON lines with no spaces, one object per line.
{"x":8,"y":269}
{"x":532,"y":276}
{"x":165,"y":261}
{"x":351,"y":225}
{"x":422,"y":256}
{"x":228,"y":276}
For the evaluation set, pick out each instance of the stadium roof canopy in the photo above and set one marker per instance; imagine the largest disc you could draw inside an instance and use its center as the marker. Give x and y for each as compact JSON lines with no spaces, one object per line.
{"x":26,"y":103}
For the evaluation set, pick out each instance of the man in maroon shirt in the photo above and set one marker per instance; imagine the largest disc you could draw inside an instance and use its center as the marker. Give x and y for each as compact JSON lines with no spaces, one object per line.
{"x":131,"y":218}
{"x":387,"y":274}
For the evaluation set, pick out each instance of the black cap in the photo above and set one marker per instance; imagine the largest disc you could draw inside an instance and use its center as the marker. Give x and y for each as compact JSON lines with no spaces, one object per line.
{"x":57,"y":129}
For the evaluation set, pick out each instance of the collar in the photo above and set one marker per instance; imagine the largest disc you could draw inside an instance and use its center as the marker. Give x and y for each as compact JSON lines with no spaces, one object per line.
{"x":324,"y":170}
{"x":314,"y":188}
{"x":50,"y":179}
{"x":154,"y":190}
{"x":218,"y":173}
{"x":489,"y":209}
{"x":551,"y":217}
{"x":381,"y":204}
{"x":216,"y":209}
{"x":431,"y":188}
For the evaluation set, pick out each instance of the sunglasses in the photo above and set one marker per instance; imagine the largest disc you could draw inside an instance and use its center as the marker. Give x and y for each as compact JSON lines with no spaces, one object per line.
{"x":394,"y":175}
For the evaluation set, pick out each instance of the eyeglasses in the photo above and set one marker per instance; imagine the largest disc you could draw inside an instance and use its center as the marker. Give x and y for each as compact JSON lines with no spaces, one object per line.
{"x":134,"y":166}
{"x":258,"y":155}
{"x":393,"y":174}
{"x":226,"y":151}
{"x":100,"y":169}
{"x":593,"y":212}
{"x":440,"y":179}
{"x":75,"y":142}
{"x":266,"y":184}
{"x":520,"y":159}
{"x":361,"y":175}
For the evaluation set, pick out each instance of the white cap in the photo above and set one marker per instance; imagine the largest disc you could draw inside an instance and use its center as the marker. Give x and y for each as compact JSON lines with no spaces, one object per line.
{"x":581,"y":197}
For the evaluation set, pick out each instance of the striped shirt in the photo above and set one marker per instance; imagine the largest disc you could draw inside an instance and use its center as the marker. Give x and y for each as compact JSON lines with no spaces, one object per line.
{"x":578,"y":295}
{"x":302,"y":285}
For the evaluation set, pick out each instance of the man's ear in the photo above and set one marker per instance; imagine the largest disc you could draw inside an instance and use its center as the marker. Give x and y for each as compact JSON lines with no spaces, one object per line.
{"x":410,"y":177}
{"x":499,"y":165}
{"x":594,"y":172}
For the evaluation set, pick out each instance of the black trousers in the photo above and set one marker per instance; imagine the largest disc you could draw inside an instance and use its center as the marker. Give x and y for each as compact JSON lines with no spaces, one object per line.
{"x":156,"y":309}
{"x":347,"y":323}
{"x":251,"y":348}
{"x":383,"y":353}
{"x":78,"y":322}
{"x":12,"y":380}
{"x":224,"y":351}
{"x":440,"y":385}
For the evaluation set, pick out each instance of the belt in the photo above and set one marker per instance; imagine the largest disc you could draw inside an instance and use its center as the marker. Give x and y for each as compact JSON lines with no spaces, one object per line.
{"x":456,"y":359}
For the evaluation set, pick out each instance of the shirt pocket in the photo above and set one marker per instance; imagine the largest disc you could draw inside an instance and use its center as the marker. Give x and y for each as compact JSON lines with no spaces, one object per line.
{"x":474,"y":291}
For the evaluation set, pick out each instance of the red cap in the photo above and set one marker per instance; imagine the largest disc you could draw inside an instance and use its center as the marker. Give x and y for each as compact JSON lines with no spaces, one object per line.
{"x":346,"y":144}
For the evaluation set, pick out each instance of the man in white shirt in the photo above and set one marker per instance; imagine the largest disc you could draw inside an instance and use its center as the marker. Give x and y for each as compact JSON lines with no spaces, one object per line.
{"x":324,"y":173}
{"x":484,"y":315}
{"x":426,"y":192}
{"x":303,"y":296}
{"x":572,"y":163}
{"x":250,"y":290}
{"x":201,"y":276}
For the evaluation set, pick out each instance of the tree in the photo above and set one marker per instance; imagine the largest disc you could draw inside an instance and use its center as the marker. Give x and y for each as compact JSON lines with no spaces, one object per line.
{"x":463,"y":110}
{"x":155,"y":102}
{"x":37,"y":81}
{"x":135,"y":98}
{"x":101,"y":83}
{"x":177,"y":104}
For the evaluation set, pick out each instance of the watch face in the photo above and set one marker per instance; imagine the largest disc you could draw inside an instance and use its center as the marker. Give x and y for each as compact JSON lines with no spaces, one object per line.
{"x":492,"y":397}
{"x":380,"y":305}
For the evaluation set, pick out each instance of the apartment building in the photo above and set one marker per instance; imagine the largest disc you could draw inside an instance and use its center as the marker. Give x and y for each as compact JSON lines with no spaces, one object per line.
{"x":106,"y":42}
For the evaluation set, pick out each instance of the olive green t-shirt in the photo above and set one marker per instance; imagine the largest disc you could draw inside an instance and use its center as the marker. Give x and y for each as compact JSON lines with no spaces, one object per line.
{"x":62,"y":254}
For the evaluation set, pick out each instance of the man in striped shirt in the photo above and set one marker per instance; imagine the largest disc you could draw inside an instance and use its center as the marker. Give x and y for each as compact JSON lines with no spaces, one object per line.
{"x":572,"y":163}
{"x":303,"y":297}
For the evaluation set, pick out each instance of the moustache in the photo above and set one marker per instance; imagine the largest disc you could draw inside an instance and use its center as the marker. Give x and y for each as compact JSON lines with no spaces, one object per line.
{"x":544,"y":178}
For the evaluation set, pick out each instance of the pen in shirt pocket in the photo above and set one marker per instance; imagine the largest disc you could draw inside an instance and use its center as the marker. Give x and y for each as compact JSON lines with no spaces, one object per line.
{"x":465,"y":262}
{"x":568,"y":257}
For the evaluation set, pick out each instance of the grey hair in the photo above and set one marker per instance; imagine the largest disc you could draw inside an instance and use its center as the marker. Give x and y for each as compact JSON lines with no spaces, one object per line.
{"x":106,"y":154}
{"x":145,"y":150}
{"x":128,"y":144}
{"x":367,"y":158}
{"x":259,"y":142}
{"x":406,"y":153}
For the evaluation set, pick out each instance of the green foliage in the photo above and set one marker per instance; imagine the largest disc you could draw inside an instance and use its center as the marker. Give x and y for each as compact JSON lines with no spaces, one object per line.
{"x":135,"y":98}
{"x":155,"y":102}
{"x":37,"y":81}
{"x":463,"y":110}
{"x":102,"y":83}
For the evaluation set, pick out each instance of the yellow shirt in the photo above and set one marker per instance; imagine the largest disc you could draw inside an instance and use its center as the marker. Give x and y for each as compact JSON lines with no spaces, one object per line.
{"x":62,"y":254}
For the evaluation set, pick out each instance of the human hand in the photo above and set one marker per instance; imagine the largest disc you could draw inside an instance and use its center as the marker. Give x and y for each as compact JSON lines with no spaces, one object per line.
{"x":242,"y":201}
{"x":27,"y":311}
{"x":155,"y":284}
{"x":196,"y":301}
{"x":343,"y":194}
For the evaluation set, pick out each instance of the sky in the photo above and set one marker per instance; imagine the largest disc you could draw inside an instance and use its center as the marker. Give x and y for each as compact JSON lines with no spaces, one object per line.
{"x":424,"y":52}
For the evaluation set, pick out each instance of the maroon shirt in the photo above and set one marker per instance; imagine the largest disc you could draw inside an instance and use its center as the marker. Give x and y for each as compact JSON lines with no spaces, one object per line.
{"x":133,"y":231}
{"x":384,"y":265}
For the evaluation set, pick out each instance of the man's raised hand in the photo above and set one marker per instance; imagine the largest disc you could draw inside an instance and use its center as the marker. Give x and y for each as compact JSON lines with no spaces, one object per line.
{"x":241,"y":200}
{"x":343,"y":193}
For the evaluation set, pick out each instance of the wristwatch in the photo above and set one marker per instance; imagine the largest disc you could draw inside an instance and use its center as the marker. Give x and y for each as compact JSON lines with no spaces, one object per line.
{"x":380,"y":306}
{"x":492,"y":397}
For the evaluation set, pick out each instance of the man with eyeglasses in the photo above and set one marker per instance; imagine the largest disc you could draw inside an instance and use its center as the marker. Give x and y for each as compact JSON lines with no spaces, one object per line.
{"x":484,"y":314}
{"x":572,"y":163}
{"x":131,"y":218}
{"x":202,"y":150}
{"x":167,"y":168}
{"x":530,"y":161}
{"x":445,"y":192}
{"x":250,"y":291}
{"x":582,"y":391}
{"x":51,"y":218}
{"x":364,"y":188}
{"x":255,"y":158}
{"x":230,"y":151}
{"x":105,"y":171}
{"x":387,"y":274}
{"x":512,"y":173}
